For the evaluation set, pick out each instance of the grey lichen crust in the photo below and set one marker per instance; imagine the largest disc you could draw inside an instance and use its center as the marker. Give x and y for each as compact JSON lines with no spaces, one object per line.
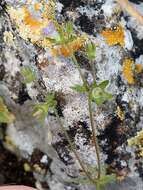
{"x":26,"y":134}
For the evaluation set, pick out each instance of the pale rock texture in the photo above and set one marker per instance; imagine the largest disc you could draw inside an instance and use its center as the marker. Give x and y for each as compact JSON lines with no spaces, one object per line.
{"x":59,"y":75}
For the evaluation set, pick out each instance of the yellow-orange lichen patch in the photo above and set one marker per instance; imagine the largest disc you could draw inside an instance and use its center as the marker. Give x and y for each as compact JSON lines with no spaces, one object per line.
{"x":130,"y":69}
{"x":68,"y":49}
{"x":138,"y":68}
{"x":120,"y":113}
{"x":32,"y":18}
{"x":114,"y":37}
{"x":37,"y":6}
{"x":29,"y":20}
{"x":137,"y":142}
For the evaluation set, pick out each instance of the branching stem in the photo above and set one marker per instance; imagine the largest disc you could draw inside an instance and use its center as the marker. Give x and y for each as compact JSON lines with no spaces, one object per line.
{"x":80,"y":72}
{"x":72,"y":146}
{"x":95,"y":141}
{"x":92,"y":65}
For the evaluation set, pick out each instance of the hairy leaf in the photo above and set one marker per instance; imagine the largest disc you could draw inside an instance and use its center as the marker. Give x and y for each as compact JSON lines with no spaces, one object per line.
{"x":5,"y":115}
{"x":91,"y":51}
{"x":79,"y":88}
{"x":104,"y":180}
{"x":29,"y":74}
{"x":94,"y":85}
{"x":104,"y":84}
{"x":69,"y":28}
{"x":100,"y":183}
{"x":40,"y":110}
{"x":50,"y":100}
{"x":100,"y":96}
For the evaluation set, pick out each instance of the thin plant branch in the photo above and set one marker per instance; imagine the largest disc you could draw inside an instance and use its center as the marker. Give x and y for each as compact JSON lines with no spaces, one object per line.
{"x":80,"y":72}
{"x":72,"y":146}
{"x":95,"y":141}
{"x":92,"y":65}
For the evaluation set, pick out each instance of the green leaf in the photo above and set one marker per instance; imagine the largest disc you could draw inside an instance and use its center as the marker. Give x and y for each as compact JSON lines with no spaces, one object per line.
{"x":92,"y":170}
{"x":79,"y":88}
{"x":99,"y":96}
{"x":57,"y":40}
{"x":69,"y":28}
{"x":61,"y":35}
{"x":28,"y":74}
{"x":52,"y":40}
{"x":94,"y":85}
{"x":104,"y":84}
{"x":108,"y":96}
{"x":91,"y":51}
{"x":100,"y":183}
{"x":50,"y":101}
{"x":99,"y":101}
{"x":40,"y":110}
{"x":5,"y":115}
{"x":104,"y":180}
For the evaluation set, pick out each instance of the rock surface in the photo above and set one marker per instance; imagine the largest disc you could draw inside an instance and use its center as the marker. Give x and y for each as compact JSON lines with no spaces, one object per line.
{"x":44,"y":148}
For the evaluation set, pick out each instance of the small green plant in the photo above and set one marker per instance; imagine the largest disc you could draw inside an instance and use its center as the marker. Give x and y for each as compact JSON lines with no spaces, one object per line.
{"x":29,"y":74}
{"x":41,"y":110}
{"x":65,"y":34}
{"x":68,"y":43}
{"x":97,"y":91}
{"x":91,"y":51}
{"x":5,"y":115}
{"x":79,"y":88}
{"x":100,"y":184}
{"x":99,"y":95}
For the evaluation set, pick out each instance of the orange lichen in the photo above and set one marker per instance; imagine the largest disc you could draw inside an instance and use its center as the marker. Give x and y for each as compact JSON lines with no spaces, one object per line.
{"x":130,"y":69}
{"x":115,"y":36}
{"x":77,"y":44}
{"x":37,"y":6}
{"x":29,"y":20}
{"x":32,"y":18}
{"x":68,"y":49}
{"x":139,"y":68}
{"x":65,"y":51}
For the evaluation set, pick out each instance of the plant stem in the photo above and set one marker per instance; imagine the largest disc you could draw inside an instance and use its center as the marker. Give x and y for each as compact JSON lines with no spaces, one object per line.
{"x":95,"y":141}
{"x":74,"y":149}
{"x":81,"y":75}
{"x":90,"y":114}
{"x":92,"y":65}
